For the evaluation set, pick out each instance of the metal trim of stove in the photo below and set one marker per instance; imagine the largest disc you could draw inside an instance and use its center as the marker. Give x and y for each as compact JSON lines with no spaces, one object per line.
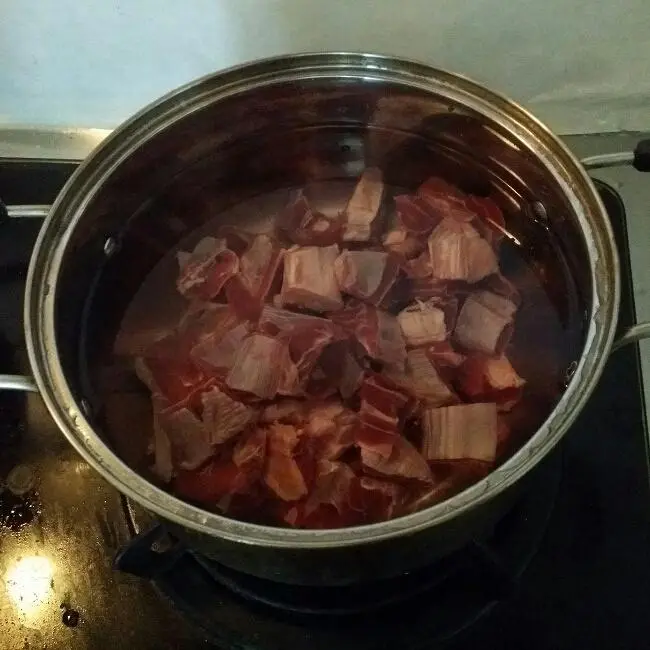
{"x":71,"y":144}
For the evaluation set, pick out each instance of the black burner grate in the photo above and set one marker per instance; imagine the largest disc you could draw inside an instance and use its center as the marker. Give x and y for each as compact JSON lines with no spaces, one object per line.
{"x":439,"y":600}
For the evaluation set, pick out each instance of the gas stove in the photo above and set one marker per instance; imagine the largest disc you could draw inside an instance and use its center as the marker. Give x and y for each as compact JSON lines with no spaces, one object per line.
{"x":568,"y":567}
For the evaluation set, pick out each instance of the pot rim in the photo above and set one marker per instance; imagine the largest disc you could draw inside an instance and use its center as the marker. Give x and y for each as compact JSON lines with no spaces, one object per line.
{"x":45,"y":264}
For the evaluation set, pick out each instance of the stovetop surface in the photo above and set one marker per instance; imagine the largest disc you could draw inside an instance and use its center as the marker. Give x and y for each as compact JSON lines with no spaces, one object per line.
{"x":588,"y":586}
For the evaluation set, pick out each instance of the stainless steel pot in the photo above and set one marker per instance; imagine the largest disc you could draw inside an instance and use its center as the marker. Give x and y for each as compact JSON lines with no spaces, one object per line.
{"x":277,"y":123}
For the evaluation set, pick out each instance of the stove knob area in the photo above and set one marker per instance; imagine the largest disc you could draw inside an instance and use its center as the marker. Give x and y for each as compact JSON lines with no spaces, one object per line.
{"x":20,"y":480}
{"x":4,"y":213}
{"x":642,"y":156}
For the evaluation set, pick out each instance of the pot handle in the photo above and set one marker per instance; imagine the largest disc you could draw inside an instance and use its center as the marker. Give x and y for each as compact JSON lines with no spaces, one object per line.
{"x":632,"y":334}
{"x":640,"y":160}
{"x":20,"y":382}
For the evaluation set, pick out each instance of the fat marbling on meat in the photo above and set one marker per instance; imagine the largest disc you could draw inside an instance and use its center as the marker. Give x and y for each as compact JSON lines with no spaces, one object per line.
{"x":205,"y":270}
{"x":485,"y":323}
{"x":340,"y":370}
{"x":460,"y":432}
{"x":367,"y":275}
{"x":309,"y":278}
{"x":364,"y":205}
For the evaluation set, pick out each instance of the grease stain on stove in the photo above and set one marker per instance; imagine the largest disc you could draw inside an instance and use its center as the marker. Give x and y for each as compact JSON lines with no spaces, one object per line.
{"x":108,"y":529}
{"x":19,"y":502}
{"x":16,"y":512}
{"x":21,"y":480}
{"x":69,"y":617}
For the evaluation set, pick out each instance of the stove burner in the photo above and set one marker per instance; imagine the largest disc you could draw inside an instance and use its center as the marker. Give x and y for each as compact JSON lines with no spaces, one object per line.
{"x":568,"y":596}
{"x":366,"y":598}
{"x":412,"y":610}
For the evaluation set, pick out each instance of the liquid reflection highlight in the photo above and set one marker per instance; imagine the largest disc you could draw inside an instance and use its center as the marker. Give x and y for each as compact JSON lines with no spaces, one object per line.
{"x":28,"y":582}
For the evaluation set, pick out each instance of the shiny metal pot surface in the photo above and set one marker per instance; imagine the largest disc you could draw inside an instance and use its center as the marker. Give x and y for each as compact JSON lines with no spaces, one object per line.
{"x":278,"y":123}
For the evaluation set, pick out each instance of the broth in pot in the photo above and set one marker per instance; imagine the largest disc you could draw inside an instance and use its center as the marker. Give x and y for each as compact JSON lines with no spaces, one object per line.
{"x":342,"y":352}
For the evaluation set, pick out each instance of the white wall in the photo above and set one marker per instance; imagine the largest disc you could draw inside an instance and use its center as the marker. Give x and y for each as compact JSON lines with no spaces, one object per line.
{"x":581,"y":65}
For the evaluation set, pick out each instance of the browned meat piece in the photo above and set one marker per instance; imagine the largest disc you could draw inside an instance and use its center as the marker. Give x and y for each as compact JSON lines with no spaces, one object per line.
{"x":282,"y":474}
{"x":367,"y":275}
{"x":305,"y":227}
{"x":331,"y":487}
{"x":225,"y":417}
{"x":464,"y":431}
{"x":382,"y":405}
{"x":404,"y":462}
{"x":376,"y":330}
{"x":189,"y":438}
{"x":489,"y":219}
{"x":309,"y":279}
{"x":443,"y":355}
{"x":458,"y":252}
{"x":341,"y":366}
{"x":219,"y":480}
{"x":422,"y":323}
{"x":403,"y":243}
{"x":287,"y":411}
{"x":424,"y":380}
{"x":415,"y":215}
{"x":260,"y":264}
{"x":219,"y":351}
{"x":258,"y":366}
{"x":419,"y":268}
{"x":205,"y":270}
{"x":491,"y":380}
{"x":485,"y":323}
{"x":445,"y":200}
{"x":363,"y":208}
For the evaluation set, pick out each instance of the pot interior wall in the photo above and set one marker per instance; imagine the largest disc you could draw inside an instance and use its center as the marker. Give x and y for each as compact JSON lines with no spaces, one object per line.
{"x":282,"y":136}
